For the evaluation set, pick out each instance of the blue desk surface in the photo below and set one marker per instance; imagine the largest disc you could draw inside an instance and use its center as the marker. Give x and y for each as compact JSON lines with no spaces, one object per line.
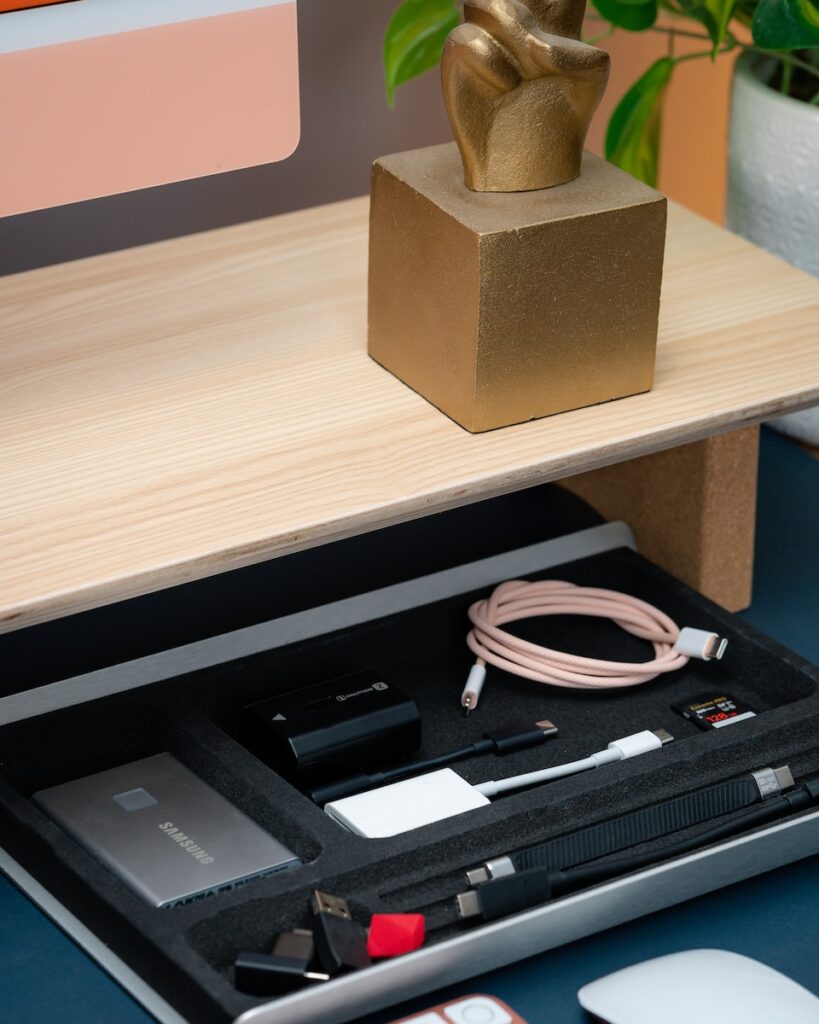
{"x":45,"y":977}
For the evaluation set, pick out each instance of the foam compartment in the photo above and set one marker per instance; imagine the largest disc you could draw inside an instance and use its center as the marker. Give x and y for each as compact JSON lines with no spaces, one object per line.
{"x":186,"y":952}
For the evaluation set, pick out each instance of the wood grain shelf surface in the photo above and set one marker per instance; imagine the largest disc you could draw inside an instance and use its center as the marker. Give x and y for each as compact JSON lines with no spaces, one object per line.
{"x":188,"y":407}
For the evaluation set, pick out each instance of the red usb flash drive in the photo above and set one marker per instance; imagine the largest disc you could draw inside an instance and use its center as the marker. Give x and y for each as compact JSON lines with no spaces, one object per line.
{"x":395,"y":934}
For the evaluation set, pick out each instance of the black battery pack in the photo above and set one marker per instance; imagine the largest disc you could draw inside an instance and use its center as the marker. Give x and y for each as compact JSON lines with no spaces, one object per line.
{"x":356,"y":722}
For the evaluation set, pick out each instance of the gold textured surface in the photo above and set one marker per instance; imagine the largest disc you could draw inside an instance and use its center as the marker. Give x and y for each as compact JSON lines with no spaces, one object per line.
{"x":505,"y":308}
{"x":182,"y":409}
{"x":520,"y":90}
{"x":692,"y":510}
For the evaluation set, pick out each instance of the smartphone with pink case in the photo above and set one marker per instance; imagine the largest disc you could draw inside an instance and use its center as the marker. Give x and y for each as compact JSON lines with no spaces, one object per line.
{"x":474,"y":1009}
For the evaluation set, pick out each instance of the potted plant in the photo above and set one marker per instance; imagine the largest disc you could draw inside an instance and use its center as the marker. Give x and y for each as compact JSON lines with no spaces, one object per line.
{"x":773,"y":165}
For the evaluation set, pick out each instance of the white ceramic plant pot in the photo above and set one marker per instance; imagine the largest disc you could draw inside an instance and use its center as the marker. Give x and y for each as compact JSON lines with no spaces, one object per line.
{"x":773,"y":183}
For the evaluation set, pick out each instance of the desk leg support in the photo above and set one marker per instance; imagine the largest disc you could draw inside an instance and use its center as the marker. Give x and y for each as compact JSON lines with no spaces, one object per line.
{"x":692,"y":510}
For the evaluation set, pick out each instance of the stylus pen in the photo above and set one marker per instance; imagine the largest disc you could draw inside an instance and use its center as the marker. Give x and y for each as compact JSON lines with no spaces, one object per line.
{"x":504,"y":740}
{"x":640,"y":826}
{"x":525,"y":889}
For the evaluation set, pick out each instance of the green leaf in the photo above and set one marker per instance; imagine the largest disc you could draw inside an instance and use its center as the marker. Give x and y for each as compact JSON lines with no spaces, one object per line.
{"x":786,"y":24}
{"x":415,"y":38}
{"x":633,"y":135}
{"x":713,"y":15}
{"x":808,"y":13}
{"x":721,"y":12}
{"x":628,"y":14}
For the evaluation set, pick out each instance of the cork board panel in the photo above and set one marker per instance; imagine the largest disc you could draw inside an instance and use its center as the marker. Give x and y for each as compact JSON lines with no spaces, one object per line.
{"x":692,"y":510}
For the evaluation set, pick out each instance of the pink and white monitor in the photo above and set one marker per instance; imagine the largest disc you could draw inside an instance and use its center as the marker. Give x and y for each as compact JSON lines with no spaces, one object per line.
{"x":108,"y":96}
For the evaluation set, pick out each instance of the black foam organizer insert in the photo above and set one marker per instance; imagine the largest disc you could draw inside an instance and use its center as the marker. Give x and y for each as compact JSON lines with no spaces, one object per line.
{"x":185,"y":952}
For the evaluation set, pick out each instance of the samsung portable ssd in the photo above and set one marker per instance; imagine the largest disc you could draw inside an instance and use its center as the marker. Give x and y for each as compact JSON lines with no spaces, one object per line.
{"x":164,"y":831}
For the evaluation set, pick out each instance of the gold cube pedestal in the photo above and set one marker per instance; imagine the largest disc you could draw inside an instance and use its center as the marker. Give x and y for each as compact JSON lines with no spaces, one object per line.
{"x":500,"y":308}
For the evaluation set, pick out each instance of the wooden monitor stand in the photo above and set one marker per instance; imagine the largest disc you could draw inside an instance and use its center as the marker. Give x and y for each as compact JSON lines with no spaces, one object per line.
{"x":177,"y":410}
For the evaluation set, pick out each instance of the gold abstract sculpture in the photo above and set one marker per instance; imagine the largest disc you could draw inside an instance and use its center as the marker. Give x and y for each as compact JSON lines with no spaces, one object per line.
{"x":520,"y":90}
{"x":496,"y":296}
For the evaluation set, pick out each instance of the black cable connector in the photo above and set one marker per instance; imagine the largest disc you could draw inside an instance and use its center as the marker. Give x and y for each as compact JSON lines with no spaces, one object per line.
{"x":505,"y":740}
{"x":503,"y":896}
{"x":514,"y":893}
{"x":341,"y":942}
{"x":510,"y":738}
{"x":289,"y":966}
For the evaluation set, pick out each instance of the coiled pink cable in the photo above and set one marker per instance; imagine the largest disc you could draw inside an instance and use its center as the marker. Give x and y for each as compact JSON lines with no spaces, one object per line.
{"x":518,"y":599}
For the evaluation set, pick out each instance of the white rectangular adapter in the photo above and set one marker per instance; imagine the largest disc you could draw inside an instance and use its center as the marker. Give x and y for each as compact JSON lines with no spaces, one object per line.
{"x":403,"y":806}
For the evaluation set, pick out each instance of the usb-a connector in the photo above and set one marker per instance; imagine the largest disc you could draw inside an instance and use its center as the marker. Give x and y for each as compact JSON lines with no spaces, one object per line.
{"x":340,"y":942}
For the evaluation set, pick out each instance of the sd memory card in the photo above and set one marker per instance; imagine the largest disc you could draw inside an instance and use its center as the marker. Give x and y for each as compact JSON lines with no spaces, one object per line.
{"x":709,"y":712}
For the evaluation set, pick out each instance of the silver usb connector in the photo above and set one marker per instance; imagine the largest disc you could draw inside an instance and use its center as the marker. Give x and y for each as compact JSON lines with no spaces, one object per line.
{"x":715,"y":647}
{"x":477,"y":876}
{"x":468,"y":905}
{"x":773,"y":781}
{"x":498,"y":867}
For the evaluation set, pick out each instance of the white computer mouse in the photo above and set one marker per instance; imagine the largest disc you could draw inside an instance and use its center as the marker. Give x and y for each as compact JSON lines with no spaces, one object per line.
{"x":699,"y":986}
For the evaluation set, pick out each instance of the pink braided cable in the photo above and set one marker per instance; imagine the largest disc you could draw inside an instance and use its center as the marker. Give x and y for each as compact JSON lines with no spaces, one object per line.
{"x":518,"y":599}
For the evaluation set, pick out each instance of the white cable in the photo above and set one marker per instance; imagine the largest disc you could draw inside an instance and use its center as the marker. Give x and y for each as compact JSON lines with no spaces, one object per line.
{"x":423,"y":799}
{"x":618,"y":750}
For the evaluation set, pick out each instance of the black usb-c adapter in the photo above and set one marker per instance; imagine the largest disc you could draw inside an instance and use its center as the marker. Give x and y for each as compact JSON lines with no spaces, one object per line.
{"x":288,"y":966}
{"x":352,"y":723}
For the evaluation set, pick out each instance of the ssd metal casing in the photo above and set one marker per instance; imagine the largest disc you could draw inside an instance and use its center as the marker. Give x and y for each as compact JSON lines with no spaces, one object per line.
{"x":163,"y":831}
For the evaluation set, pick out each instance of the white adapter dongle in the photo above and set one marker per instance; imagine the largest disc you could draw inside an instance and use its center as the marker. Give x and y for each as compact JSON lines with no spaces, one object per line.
{"x":406,"y":805}
{"x":410,"y":804}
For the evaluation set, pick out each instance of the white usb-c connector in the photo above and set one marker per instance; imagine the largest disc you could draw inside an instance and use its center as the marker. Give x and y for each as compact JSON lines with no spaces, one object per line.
{"x":699,"y":643}
{"x":618,"y":750}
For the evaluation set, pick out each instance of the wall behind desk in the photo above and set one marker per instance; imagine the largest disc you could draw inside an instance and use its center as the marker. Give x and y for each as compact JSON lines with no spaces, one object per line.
{"x":346,"y":124}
